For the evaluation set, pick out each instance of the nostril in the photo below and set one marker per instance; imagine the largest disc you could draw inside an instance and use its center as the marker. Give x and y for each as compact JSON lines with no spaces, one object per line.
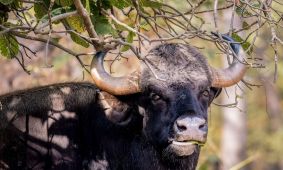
{"x":181,"y":128}
{"x":203,"y":127}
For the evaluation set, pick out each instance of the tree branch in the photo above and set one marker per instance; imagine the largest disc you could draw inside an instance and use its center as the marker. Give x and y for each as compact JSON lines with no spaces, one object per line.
{"x":88,"y":24}
{"x":19,"y":34}
{"x":56,"y":18}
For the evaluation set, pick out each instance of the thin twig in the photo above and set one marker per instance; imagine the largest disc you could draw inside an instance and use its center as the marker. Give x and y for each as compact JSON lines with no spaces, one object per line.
{"x":124,"y":25}
{"x":56,"y":18}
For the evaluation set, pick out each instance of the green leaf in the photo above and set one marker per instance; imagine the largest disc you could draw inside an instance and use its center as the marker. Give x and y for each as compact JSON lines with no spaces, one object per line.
{"x":255,"y":4}
{"x":64,"y":2}
{"x":4,"y":9}
{"x":103,"y":28}
{"x":129,"y":39}
{"x":9,"y":46}
{"x":76,"y":23}
{"x":121,"y":3}
{"x":3,"y":16}
{"x":102,"y":25}
{"x":236,"y":37}
{"x":242,"y":11}
{"x":39,"y":10}
{"x":6,"y":2}
{"x":105,"y":4}
{"x":77,"y":39}
{"x":17,"y":4}
{"x":245,"y":25}
{"x":145,"y":26}
{"x":100,"y":22}
{"x":149,"y":3}
{"x":245,"y":44}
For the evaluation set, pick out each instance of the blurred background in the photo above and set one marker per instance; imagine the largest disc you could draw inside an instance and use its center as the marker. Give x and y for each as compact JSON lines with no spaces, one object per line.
{"x":245,"y":122}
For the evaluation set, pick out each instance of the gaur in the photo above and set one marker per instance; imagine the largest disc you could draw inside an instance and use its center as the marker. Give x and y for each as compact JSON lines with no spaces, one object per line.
{"x":154,"y":118}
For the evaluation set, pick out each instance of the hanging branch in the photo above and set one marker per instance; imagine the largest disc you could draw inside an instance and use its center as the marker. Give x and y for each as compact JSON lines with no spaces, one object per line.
{"x":88,"y":24}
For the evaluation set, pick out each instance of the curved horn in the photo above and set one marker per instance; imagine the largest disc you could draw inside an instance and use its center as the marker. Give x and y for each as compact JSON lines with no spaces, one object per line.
{"x":114,"y":85}
{"x":235,"y":72}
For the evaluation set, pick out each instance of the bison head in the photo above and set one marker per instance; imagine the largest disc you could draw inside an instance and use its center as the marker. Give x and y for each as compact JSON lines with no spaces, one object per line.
{"x":175,"y":86}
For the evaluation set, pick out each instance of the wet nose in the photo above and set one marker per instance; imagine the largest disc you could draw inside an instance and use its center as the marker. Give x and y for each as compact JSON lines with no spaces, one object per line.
{"x":189,"y":127}
{"x":185,"y":123}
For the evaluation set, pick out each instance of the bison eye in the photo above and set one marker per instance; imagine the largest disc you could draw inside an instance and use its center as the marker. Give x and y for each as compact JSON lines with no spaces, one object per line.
{"x":155,"y":97}
{"x":205,"y":93}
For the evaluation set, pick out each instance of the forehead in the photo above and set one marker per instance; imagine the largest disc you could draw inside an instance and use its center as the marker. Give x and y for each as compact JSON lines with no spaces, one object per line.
{"x":176,"y":90}
{"x":172,"y":65}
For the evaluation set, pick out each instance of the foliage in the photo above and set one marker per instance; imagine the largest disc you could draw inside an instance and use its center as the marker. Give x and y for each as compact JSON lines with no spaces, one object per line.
{"x":121,"y":23}
{"x":9,"y":46}
{"x":6,"y":2}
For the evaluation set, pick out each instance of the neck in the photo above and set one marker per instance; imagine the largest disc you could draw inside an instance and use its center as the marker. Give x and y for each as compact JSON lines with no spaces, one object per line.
{"x":135,"y":153}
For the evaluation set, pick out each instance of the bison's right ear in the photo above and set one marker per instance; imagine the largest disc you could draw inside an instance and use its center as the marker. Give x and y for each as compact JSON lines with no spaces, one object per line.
{"x":215,"y":92}
{"x":120,"y":118}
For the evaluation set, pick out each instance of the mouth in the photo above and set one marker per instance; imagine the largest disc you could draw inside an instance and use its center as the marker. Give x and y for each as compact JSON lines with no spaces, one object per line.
{"x":184,"y":148}
{"x":187,"y":143}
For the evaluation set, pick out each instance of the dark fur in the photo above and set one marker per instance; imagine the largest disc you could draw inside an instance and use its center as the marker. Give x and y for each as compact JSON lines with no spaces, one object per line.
{"x":85,"y":131}
{"x":73,"y":111}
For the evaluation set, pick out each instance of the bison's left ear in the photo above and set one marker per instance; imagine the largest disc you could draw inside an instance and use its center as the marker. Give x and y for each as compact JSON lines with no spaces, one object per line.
{"x":116,"y":110}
